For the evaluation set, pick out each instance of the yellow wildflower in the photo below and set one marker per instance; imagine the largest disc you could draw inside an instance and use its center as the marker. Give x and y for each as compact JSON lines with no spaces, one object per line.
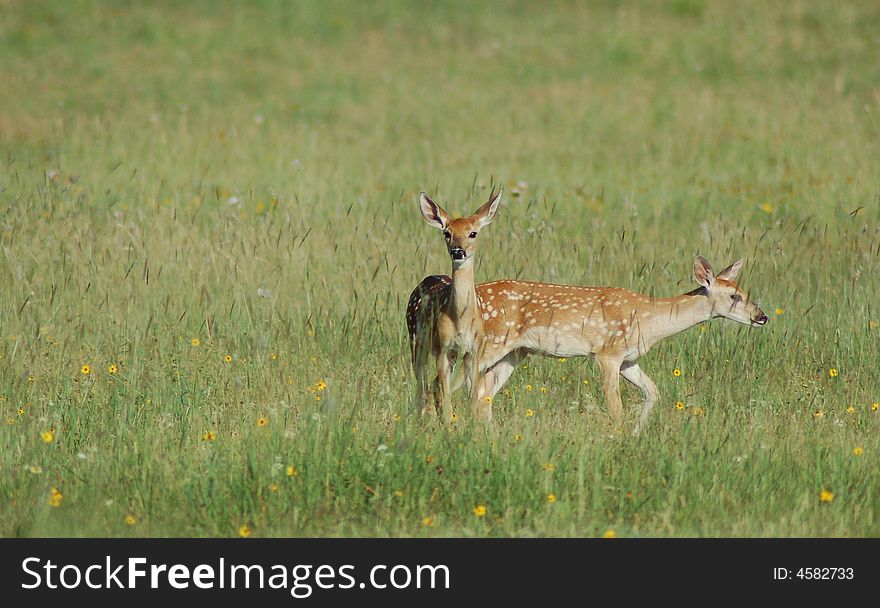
{"x":55,"y":497}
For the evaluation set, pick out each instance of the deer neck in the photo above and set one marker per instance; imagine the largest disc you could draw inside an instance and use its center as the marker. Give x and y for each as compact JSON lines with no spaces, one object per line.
{"x":674,"y":315}
{"x":464,"y":295}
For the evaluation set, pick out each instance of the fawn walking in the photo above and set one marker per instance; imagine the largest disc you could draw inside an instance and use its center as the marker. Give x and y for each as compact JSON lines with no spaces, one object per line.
{"x":616,"y":326}
{"x":443,"y":313}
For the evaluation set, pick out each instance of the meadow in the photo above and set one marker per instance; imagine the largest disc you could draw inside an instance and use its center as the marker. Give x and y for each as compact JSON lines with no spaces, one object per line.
{"x":209,"y":228}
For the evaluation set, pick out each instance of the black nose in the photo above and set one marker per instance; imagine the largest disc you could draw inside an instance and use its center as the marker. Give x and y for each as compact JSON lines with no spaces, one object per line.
{"x":761,"y":318}
{"x":457,"y":253}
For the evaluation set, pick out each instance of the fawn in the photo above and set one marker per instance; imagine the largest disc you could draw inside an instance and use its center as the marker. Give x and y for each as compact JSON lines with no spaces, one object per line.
{"x":443,"y":314}
{"x":616,"y":326}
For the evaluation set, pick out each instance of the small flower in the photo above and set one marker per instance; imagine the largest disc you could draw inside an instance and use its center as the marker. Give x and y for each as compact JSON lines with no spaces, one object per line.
{"x":562,"y":359}
{"x":427,"y":521}
{"x":320,"y":385}
{"x":767,"y":208}
{"x":209,"y":436}
{"x":228,"y":358}
{"x":858,"y":451}
{"x":543,"y":389}
{"x":262,"y":421}
{"x":85,"y":370}
{"x":480,"y":510}
{"x":487,"y":399}
{"x":354,"y":429}
{"x":698,"y":411}
{"x":832,"y":373}
{"x":529,"y":413}
{"x":273,"y":356}
{"x":55,"y":497}
{"x":875,"y":407}
{"x":780,"y":311}
{"x":429,"y":459}
{"x":244,"y":531}
{"x":609,"y":533}
{"x":453,"y":417}
{"x":826,"y":496}
{"x":397,"y":417}
{"x":818,"y":414}
{"x":850,"y":410}
{"x":517,"y":437}
{"x":35,"y":469}
{"x":48,"y":436}
{"x":273,"y":487}
{"x":398,"y":493}
{"x":586,"y":382}
{"x":130,"y":520}
{"x":195,"y":342}
{"x":291,"y":471}
{"x":529,"y":387}
{"x":112,"y":368}
{"x":679,"y":405}
{"x":676,"y":372}
{"x":549,"y":466}
{"x":21,"y":411}
{"x":551,"y":498}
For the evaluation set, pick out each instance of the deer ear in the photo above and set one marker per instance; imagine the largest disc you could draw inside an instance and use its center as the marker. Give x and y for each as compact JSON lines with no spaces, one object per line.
{"x":433,"y":213}
{"x":703,"y":272}
{"x":731,"y":271}
{"x":485,"y":214}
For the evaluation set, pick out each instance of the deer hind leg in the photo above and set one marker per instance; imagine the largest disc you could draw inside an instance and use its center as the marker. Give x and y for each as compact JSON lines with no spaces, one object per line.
{"x":494,"y":379}
{"x":610,"y":371}
{"x":443,"y":385}
{"x":420,"y":355}
{"x":632,"y":372}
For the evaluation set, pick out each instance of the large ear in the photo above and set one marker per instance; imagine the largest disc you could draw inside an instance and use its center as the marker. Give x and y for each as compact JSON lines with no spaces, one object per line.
{"x":731,"y":271}
{"x":433,"y":213}
{"x":485,"y":214}
{"x":703,"y":272}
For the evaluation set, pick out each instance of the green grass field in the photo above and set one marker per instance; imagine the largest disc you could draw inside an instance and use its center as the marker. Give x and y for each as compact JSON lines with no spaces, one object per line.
{"x":212,"y":209}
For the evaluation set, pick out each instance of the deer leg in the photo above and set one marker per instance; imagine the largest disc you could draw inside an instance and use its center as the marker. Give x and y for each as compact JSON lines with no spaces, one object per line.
{"x":419,"y":363}
{"x":632,"y":372}
{"x":494,"y":379}
{"x":444,"y":376}
{"x":471,"y":364}
{"x":610,"y":371}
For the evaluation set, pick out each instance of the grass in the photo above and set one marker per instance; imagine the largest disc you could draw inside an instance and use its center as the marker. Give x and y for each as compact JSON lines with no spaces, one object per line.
{"x":186,"y":183}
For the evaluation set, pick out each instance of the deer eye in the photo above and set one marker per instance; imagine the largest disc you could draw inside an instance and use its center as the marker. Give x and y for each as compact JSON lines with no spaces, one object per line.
{"x":473,"y":235}
{"x":736,"y":297}
{"x":447,"y":234}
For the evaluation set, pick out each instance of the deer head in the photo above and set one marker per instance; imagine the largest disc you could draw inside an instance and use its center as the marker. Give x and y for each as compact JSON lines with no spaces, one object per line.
{"x":726,"y":297}
{"x":460,"y":234}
